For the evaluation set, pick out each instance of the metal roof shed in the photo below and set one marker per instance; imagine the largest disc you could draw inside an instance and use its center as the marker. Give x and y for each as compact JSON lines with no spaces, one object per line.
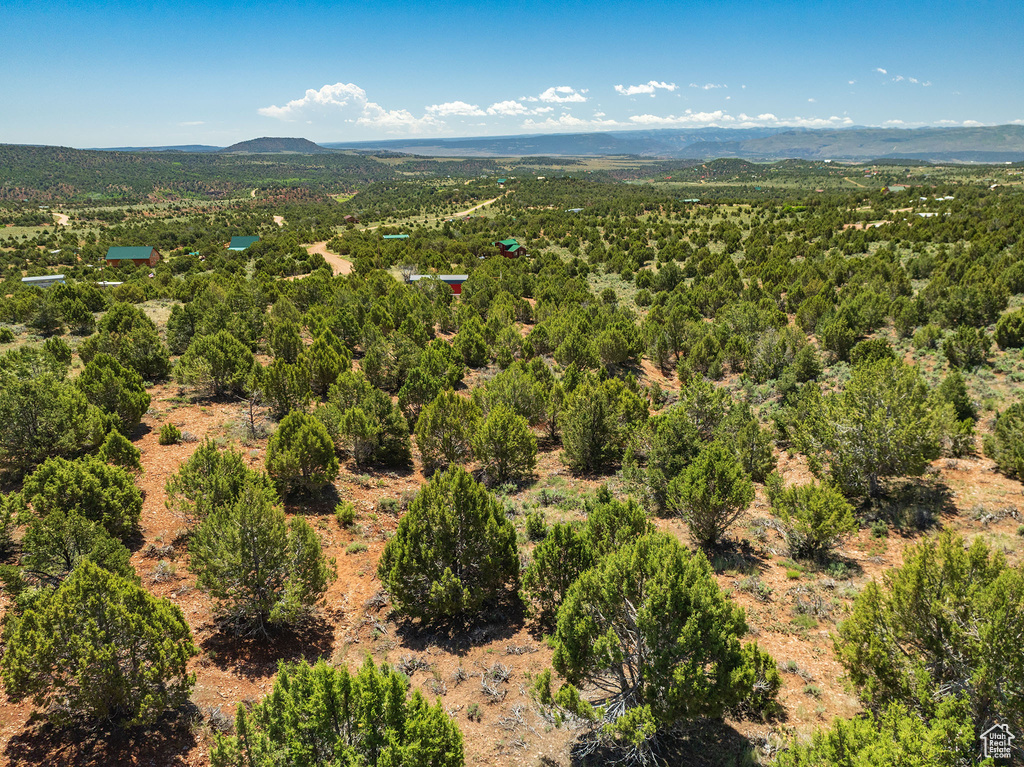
{"x":241,"y":243}
{"x":44,"y":280}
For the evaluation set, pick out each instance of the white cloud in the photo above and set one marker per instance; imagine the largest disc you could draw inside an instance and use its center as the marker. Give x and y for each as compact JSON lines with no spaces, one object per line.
{"x":894,"y":122}
{"x":851,"y":82}
{"x":512,"y":108}
{"x":330,"y":97}
{"x":898,"y":79}
{"x":709,"y":86}
{"x":720,"y":118}
{"x":689,"y":117}
{"x":348,"y":102}
{"x":396,"y":120}
{"x":914,"y":80}
{"x":457,"y":108}
{"x":811,"y":101}
{"x":563,"y":94}
{"x":599,"y":114}
{"x":567,"y":120}
{"x":881,"y":71}
{"x":644,"y":88}
{"x":507,"y":108}
{"x":971,"y":124}
{"x":192,"y":123}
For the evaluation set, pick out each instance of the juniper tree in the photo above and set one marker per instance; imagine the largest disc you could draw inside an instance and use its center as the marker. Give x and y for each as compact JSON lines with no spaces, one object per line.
{"x":219,"y":364}
{"x":504,"y":445}
{"x":300,"y":454}
{"x":210,"y":478}
{"x":878,"y":426}
{"x":653,"y":640}
{"x":711,"y":493}
{"x":815,"y":518}
{"x":100,"y":649}
{"x":454,"y":550}
{"x":116,"y":389}
{"x":100,"y":492}
{"x":262,"y":571}
{"x":945,"y":625}
{"x":320,"y":715}
{"x":444,"y":430}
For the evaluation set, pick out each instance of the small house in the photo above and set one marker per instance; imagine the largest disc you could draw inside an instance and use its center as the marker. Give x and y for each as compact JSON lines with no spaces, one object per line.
{"x":396,"y":237}
{"x":137,"y":255}
{"x":241,"y":243}
{"x":454,"y":281}
{"x":43,"y":280}
{"x":510,"y":248}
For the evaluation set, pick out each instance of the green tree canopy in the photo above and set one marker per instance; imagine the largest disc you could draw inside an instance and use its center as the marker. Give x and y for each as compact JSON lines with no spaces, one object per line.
{"x":116,"y":389}
{"x":103,"y":493}
{"x":300,"y":454}
{"x":815,"y":518}
{"x":444,"y":430}
{"x":895,"y":737}
{"x":454,"y":550}
{"x":878,"y":426}
{"x":217,"y":364}
{"x":210,"y":478}
{"x":262,"y":571}
{"x":43,"y":417}
{"x":100,"y":648}
{"x":945,"y":625}
{"x":322,"y":715}
{"x":505,"y":446}
{"x":711,"y":493}
{"x":652,"y":638}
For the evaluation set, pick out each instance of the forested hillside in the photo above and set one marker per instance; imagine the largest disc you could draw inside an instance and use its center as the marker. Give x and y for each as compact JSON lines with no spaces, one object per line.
{"x":723,"y":468}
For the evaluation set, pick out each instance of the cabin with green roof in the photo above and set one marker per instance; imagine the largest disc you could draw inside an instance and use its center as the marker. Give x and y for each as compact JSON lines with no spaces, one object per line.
{"x":138,"y":255}
{"x":396,"y":237}
{"x":241,"y":243}
{"x":510,"y":248}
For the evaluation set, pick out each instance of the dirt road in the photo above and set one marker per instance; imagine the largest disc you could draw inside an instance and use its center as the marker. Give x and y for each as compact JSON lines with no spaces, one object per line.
{"x":484,"y":204}
{"x":279,"y":220}
{"x":338,"y":264}
{"x":62,"y":220}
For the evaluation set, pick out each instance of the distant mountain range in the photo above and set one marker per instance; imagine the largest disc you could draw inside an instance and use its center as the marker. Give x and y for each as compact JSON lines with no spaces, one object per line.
{"x":1002,"y":143}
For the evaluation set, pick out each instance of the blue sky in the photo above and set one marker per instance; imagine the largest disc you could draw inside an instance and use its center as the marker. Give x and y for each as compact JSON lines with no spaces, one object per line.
{"x":112,"y":74}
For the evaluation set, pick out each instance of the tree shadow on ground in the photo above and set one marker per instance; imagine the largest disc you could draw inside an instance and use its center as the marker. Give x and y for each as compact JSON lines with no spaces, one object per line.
{"x":911,"y":506}
{"x":140,"y":431}
{"x":738,"y":555}
{"x":312,"y":504}
{"x":164,"y":743}
{"x":258,"y":656}
{"x":498,"y":624}
{"x":701,"y":743}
